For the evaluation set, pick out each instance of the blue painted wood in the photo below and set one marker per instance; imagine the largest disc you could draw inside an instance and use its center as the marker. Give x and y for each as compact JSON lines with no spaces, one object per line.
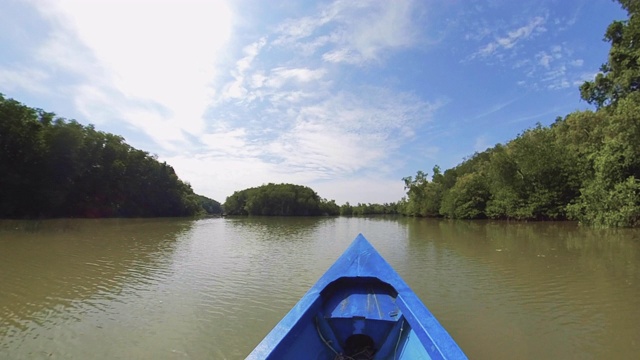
{"x":359,"y":297}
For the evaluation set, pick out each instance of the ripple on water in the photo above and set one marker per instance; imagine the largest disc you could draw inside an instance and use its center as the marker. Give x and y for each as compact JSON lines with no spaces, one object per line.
{"x":214,"y":288}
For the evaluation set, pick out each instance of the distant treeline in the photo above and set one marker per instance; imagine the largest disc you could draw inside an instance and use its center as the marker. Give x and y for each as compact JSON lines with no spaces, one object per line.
{"x":51,"y":167}
{"x":368,"y":209}
{"x":585,"y":166}
{"x":279,"y":200}
{"x":297,"y":200}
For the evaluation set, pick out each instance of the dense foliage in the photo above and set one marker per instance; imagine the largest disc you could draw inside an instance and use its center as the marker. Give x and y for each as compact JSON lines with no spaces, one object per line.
{"x":368,"y":209}
{"x":585,"y":166}
{"x":210,"y":206}
{"x":620,"y":76}
{"x":51,"y":167}
{"x":279,"y":200}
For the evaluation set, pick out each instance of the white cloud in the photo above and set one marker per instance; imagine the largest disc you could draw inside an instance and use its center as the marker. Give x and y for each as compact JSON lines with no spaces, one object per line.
{"x":488,"y":49}
{"x":387,"y":27}
{"x":155,"y":67}
{"x":95,"y":103}
{"x":227,"y":142}
{"x":158,"y":53}
{"x":558,"y":68}
{"x":64,"y":51}
{"x":305,"y":138}
{"x":283,"y":103}
{"x":513,"y":37}
{"x":294,"y":30}
{"x":342,"y":55}
{"x":544,"y":59}
{"x":369,"y":189}
{"x":551,"y":69}
{"x":219,"y":177}
{"x":581,"y":78}
{"x":496,"y":108}
{"x":31,"y":80}
{"x":328,"y":151}
{"x":295,"y":121}
{"x":523,"y":32}
{"x":577,"y":62}
{"x":279,"y":76}
{"x":250,"y":51}
{"x":478,"y":34}
{"x":236,"y":89}
{"x":359,"y":32}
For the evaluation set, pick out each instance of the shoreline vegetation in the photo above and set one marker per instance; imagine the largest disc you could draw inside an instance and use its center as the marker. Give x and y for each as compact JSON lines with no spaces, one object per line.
{"x":52,"y":168}
{"x":584,"y":167}
{"x":295,"y":200}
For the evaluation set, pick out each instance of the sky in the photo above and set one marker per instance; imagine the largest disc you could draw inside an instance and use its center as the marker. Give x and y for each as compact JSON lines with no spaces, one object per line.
{"x":346,"y":96}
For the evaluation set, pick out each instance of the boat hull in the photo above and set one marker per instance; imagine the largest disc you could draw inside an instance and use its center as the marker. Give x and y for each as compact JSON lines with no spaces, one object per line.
{"x":359,"y":309}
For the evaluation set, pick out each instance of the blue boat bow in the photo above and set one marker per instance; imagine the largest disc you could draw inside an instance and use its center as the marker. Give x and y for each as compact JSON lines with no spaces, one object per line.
{"x":359,"y":309}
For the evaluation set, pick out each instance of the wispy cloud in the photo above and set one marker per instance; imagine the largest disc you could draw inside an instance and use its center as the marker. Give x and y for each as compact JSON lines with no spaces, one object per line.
{"x":144,"y":63}
{"x":31,"y":80}
{"x":584,"y":76}
{"x":280,"y":76}
{"x":554,"y":68}
{"x":352,"y":32}
{"x":496,"y":108}
{"x":236,"y":94}
{"x":505,"y":42}
{"x":538,"y":117}
{"x":296,"y":120}
{"x":332,"y":133}
{"x":236,"y":89}
{"x":305,"y":127}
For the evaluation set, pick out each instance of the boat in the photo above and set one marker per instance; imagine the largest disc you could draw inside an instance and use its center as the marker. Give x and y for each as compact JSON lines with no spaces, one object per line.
{"x":359,"y":309}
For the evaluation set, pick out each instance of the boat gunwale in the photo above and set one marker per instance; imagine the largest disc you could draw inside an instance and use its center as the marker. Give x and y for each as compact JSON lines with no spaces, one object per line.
{"x":358,"y":261}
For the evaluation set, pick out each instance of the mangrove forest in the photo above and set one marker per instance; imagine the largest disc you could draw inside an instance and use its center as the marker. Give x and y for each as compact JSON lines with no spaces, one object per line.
{"x":51,"y":167}
{"x":584,"y":167}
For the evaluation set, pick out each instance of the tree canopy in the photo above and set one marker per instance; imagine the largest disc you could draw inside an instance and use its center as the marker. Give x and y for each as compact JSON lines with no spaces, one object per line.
{"x":620,"y":75}
{"x":279,"y":200}
{"x":585,"y":166}
{"x":52,"y":167}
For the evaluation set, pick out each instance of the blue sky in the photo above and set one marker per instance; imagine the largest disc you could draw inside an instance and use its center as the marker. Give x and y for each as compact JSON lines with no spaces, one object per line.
{"x":347,"y":97}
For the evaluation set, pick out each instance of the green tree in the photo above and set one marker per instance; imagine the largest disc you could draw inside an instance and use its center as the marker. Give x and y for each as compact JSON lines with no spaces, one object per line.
{"x":584,"y":167}
{"x":423,"y":196}
{"x":467,"y":199}
{"x":346,"y":209}
{"x":51,"y":167}
{"x":209,"y":205}
{"x":531,"y":177}
{"x":620,"y":75}
{"x":279,"y":200}
{"x":610,"y":197}
{"x":22,"y":158}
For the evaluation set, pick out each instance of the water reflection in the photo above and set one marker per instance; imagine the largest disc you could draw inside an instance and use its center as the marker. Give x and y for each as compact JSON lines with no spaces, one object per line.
{"x":213,"y":288}
{"x":73,"y":267}
{"x":558,"y":283}
{"x":278,"y":228}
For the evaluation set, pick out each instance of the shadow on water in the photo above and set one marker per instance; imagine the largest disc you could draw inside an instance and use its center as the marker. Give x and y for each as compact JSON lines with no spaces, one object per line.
{"x":49,"y":267}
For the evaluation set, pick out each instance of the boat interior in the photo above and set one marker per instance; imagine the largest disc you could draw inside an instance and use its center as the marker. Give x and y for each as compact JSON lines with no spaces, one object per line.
{"x":353,"y":318}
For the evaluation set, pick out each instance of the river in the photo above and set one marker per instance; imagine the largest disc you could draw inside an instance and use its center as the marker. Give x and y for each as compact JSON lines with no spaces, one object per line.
{"x":213,"y":288}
